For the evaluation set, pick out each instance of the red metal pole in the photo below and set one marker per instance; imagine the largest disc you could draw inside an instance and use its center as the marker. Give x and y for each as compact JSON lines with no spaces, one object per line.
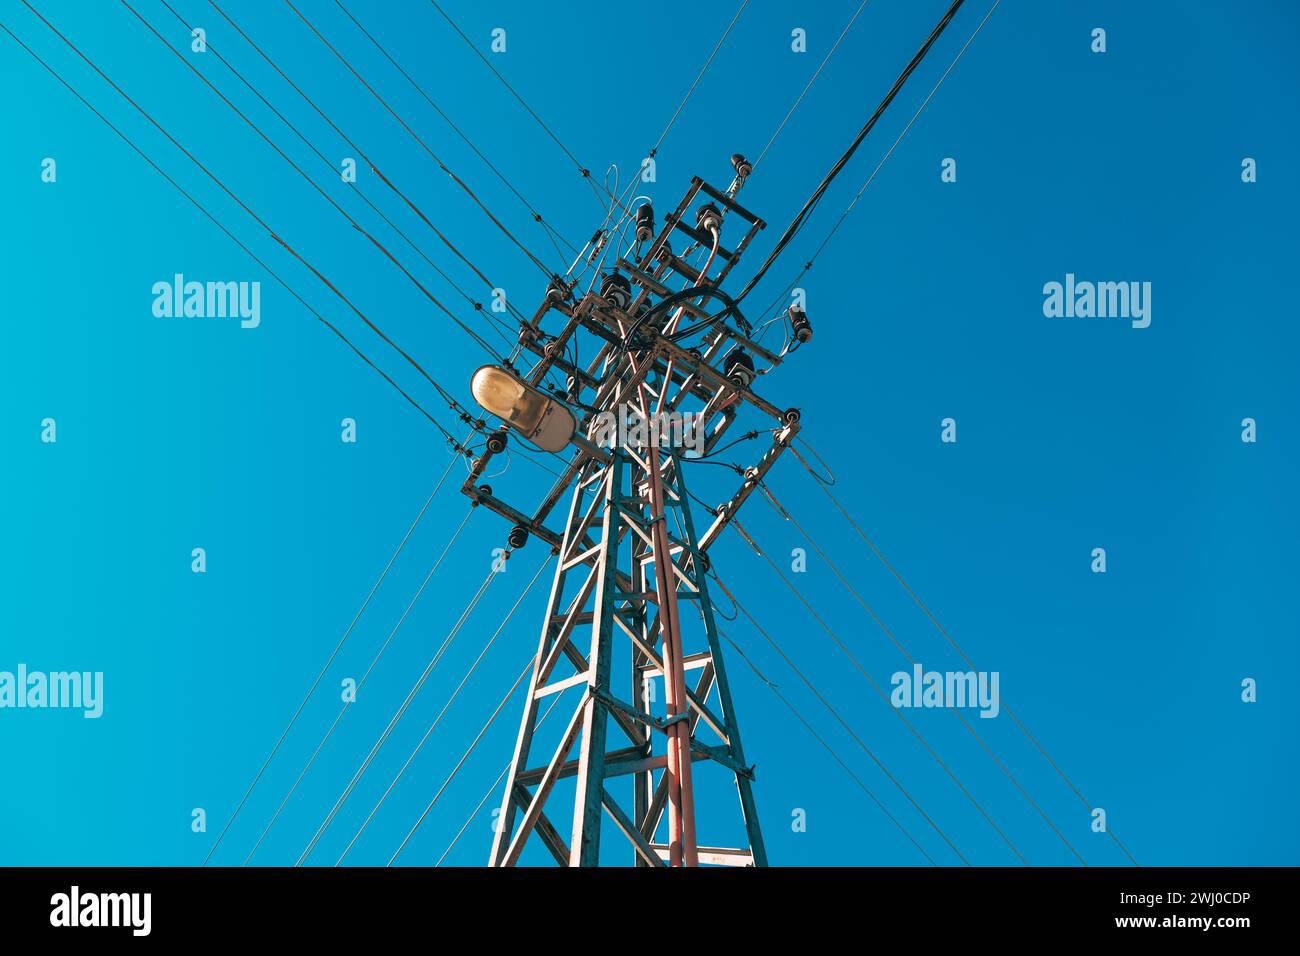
{"x":682,"y":852}
{"x":682,"y":849}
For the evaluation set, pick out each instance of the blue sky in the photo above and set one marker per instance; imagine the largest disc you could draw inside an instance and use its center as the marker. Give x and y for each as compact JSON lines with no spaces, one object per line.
{"x":1073,"y":434}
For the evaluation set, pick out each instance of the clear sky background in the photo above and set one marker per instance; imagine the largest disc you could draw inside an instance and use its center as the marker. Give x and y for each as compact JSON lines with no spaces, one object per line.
{"x":1073,"y":434}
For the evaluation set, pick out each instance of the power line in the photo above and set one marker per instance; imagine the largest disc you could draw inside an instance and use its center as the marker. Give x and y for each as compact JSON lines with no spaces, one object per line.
{"x":853,"y":202}
{"x":784,"y":513}
{"x":555,"y":699}
{"x":583,"y":170}
{"x":365,"y":158}
{"x":802,"y":216}
{"x":361,"y":683}
{"x":311,"y":182}
{"x":328,"y":661}
{"x":451,"y":440}
{"x":398,"y":715}
{"x":879,"y":691}
{"x":826,"y":59}
{"x":478,"y":306}
{"x":952,"y":642}
{"x":465,"y":756}
{"x":831,"y":750}
{"x":621,"y":203}
{"x":432,"y":155}
{"x":843,"y":723}
{"x":447,"y":706}
{"x":446,"y":396}
{"x":703,"y":70}
{"x":537,"y":216}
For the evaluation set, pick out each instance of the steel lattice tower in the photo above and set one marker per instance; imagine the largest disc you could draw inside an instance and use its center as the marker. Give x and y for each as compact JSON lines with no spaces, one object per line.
{"x":642,"y":579}
{"x":629,"y":613}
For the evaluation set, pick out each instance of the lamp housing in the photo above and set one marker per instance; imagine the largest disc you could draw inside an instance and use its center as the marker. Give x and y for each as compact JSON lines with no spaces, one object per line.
{"x":536,"y":416}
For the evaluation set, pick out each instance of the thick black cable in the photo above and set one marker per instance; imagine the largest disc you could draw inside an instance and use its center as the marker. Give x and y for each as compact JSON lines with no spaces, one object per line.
{"x":802,"y":216}
{"x":854,"y":201}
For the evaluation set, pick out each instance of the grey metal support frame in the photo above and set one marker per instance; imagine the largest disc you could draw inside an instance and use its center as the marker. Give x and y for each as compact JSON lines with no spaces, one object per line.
{"x":602,"y":641}
{"x":602,"y":586}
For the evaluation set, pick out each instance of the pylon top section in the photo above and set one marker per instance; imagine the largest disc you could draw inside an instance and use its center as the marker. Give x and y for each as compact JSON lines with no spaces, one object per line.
{"x":657,"y":323}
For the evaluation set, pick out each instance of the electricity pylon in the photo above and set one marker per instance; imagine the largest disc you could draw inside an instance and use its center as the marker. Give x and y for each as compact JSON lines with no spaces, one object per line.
{"x":630,"y":595}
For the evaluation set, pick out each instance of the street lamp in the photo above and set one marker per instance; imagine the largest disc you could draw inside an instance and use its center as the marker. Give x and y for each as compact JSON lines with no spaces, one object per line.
{"x":540,"y":419}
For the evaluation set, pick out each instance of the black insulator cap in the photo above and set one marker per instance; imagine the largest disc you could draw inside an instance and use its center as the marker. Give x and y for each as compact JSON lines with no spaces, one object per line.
{"x":645,"y":222}
{"x":616,"y":289}
{"x":800,"y":324}
{"x":739,"y":368}
{"x":708,"y":217}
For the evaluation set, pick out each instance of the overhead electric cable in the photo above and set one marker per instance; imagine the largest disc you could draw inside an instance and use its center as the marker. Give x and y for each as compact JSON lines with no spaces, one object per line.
{"x":583,"y":170}
{"x":326,"y":196}
{"x":364,"y":157}
{"x":842,"y":722}
{"x":460,"y":763}
{"x":451,"y":440}
{"x":821,"y":66}
{"x":699,"y":76}
{"x":328,"y":661}
{"x":445,"y":707}
{"x":784,"y":513}
{"x":628,"y":211}
{"x":829,"y":749}
{"x":212,"y":51}
{"x":854,"y":201}
{"x":446,"y":396}
{"x":555,"y":699}
{"x":925,"y":744}
{"x":360,"y":683}
{"x":537,"y":216}
{"x":933,"y":620}
{"x":802,"y":216}
{"x":423,"y":145}
{"x":398,"y":715}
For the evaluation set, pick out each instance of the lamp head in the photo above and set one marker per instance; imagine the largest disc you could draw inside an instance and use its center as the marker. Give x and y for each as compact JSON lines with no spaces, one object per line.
{"x":540,"y":419}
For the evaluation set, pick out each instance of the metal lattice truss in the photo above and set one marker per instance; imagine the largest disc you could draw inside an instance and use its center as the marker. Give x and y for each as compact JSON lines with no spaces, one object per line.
{"x":610,"y":594}
{"x":689,"y":376}
{"x":630,"y":596}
